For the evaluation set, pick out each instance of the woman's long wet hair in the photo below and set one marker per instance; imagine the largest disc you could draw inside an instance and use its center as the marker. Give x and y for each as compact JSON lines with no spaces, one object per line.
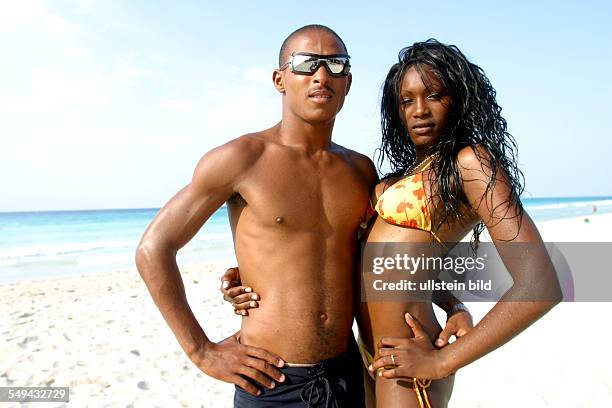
{"x":474,"y":120}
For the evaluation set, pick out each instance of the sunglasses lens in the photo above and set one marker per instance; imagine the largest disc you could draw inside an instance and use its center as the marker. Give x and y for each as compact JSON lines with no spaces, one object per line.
{"x":305,"y":64}
{"x":308,"y":64}
{"x":336,"y":65}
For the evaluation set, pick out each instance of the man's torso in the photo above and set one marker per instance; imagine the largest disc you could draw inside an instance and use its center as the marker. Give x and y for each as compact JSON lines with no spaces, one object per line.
{"x":295,"y":224}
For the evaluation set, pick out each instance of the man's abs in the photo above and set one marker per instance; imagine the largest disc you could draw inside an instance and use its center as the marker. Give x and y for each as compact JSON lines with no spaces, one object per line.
{"x":303,"y":317}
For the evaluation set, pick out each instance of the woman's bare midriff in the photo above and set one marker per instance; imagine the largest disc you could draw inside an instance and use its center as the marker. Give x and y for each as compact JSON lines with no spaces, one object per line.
{"x":377,"y":319}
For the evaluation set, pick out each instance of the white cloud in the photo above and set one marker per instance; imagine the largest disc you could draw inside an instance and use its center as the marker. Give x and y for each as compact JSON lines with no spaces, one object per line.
{"x":34,"y":16}
{"x":77,"y":52}
{"x":129,"y":73}
{"x":56,"y":25}
{"x":60,"y":89}
{"x":87,"y":5}
{"x":241,"y":108}
{"x":15,"y":14}
{"x":259,"y":75}
{"x":178,"y":104}
{"x":54,"y":91}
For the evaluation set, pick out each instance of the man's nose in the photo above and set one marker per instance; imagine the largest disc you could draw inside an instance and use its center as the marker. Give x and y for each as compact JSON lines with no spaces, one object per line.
{"x":321,"y":75}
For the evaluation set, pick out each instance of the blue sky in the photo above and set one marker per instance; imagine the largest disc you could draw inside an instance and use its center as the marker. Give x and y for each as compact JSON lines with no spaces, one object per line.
{"x":110,"y":104}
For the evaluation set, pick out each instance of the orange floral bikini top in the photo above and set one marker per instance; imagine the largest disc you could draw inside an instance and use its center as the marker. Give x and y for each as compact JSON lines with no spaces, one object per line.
{"x":405,"y":204}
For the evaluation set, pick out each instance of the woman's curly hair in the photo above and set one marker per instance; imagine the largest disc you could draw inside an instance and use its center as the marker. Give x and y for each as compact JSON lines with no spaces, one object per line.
{"x":474,"y":120}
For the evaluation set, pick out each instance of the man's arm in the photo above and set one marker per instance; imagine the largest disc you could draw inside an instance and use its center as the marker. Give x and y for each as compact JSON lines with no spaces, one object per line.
{"x":216,"y":178}
{"x":458,"y":319}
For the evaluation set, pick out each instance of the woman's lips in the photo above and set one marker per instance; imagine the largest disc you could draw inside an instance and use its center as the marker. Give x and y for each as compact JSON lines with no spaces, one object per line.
{"x":423,"y":129}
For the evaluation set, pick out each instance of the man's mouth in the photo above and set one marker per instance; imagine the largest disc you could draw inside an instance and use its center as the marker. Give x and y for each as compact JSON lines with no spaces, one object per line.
{"x":320,"y":95}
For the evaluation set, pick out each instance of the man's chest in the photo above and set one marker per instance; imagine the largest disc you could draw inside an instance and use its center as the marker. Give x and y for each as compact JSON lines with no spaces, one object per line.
{"x":306,"y":197}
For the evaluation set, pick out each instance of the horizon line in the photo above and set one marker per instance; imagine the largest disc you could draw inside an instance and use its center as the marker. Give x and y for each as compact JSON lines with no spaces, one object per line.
{"x":224,"y":205}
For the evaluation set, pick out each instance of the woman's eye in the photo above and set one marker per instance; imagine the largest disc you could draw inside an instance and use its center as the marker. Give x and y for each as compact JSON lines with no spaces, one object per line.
{"x":434,"y":96}
{"x":405,"y":101}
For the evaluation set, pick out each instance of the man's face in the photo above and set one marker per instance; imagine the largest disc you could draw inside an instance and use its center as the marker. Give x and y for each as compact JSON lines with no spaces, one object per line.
{"x":315,"y":98}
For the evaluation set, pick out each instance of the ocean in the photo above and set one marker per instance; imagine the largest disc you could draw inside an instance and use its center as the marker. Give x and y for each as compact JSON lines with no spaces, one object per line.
{"x":38,"y":245}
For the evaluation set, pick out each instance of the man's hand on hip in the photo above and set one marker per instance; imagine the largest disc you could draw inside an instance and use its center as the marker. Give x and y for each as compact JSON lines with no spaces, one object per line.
{"x":236,"y":363}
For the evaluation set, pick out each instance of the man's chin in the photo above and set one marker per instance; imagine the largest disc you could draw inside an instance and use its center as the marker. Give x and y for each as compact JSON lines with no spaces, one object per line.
{"x":322,"y":116}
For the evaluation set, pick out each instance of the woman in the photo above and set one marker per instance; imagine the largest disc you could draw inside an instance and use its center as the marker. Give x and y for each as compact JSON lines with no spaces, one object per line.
{"x":453,"y":169}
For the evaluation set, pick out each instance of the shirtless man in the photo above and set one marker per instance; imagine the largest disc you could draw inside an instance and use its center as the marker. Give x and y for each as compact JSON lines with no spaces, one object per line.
{"x":295,"y":201}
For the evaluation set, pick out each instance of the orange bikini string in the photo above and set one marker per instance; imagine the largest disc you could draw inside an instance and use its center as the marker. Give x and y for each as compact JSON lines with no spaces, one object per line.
{"x":421,"y":386}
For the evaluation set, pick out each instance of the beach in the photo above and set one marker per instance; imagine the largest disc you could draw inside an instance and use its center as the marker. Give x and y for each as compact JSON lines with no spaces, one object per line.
{"x":101,"y":335}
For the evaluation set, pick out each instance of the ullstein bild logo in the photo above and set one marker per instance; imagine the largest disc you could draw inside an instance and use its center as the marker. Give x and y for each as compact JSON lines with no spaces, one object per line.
{"x":432,"y":285}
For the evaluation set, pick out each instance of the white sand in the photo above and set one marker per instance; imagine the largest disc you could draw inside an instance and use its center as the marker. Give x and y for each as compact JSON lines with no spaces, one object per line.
{"x":562,"y":360}
{"x":102,"y":336}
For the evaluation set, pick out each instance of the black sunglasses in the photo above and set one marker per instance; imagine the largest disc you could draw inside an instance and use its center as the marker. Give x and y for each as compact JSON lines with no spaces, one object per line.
{"x":305,"y":63}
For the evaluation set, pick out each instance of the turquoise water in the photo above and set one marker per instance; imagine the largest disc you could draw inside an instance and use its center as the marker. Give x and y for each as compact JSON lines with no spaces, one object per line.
{"x":36,"y":245}
{"x":553,"y":208}
{"x":57,"y":243}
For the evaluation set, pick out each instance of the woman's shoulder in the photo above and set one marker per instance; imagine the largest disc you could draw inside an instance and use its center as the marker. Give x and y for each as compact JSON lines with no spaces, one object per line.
{"x":473,"y":157}
{"x":384,"y":184}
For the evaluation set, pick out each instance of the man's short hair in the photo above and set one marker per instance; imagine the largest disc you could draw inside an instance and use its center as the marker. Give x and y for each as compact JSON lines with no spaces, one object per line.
{"x":284,"y":51}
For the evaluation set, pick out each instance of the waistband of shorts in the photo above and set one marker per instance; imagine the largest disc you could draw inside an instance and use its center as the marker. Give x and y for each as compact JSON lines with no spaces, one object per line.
{"x":351,"y":349}
{"x":351,"y":352}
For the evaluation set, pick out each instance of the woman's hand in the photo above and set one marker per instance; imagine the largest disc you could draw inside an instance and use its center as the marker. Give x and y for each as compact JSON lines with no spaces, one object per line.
{"x":241,"y":297}
{"x":408,"y":357}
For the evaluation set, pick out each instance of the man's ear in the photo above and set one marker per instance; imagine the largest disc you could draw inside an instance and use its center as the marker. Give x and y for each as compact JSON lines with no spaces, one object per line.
{"x":279,"y":80}
{"x":349,"y":81}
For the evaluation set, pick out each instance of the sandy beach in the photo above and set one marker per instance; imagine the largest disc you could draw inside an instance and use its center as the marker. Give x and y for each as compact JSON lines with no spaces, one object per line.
{"x":102,"y":336}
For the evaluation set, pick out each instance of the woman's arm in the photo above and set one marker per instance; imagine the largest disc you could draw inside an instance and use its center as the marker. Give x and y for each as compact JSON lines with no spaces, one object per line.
{"x":533,"y":275}
{"x":241,"y":297}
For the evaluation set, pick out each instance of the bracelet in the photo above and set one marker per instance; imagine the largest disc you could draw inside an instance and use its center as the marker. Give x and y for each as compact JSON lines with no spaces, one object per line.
{"x":456,"y":308}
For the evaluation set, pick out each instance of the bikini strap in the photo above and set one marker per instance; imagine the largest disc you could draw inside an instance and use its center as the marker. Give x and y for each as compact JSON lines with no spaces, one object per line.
{"x":420,"y":386}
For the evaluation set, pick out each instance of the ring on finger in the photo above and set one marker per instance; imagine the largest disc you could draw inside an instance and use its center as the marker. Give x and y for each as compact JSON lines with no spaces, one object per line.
{"x":393,"y":359}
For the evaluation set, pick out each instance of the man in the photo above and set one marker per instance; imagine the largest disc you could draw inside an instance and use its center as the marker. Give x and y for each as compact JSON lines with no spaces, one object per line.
{"x":295,"y":203}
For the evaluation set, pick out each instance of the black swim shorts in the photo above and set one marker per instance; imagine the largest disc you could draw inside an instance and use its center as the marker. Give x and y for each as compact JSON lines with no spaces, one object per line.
{"x":333,"y":383}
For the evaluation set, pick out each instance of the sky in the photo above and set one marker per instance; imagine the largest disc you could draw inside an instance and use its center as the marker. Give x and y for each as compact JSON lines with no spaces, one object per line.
{"x":110,"y":104}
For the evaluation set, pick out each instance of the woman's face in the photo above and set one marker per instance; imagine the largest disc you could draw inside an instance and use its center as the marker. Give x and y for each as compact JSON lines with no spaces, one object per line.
{"x":424,"y":109}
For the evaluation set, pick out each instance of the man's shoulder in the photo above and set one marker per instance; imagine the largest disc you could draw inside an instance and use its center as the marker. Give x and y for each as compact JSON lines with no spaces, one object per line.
{"x":248,"y":146}
{"x":350,"y":154}
{"x":240,"y":152}
{"x":232,"y":159}
{"x":361,"y":161}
